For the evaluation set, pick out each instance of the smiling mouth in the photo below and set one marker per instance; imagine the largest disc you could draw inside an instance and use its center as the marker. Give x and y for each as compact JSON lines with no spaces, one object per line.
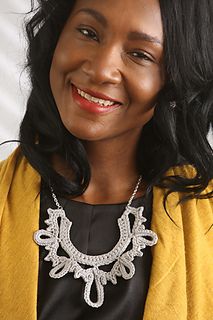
{"x":101,"y":102}
{"x":91,"y":103}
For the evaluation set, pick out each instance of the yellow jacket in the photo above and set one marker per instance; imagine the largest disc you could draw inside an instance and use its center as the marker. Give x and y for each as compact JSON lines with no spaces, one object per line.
{"x":181,"y":283}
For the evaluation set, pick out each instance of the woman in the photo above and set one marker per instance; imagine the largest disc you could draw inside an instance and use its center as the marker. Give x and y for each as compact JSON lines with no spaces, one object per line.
{"x":106,"y":206}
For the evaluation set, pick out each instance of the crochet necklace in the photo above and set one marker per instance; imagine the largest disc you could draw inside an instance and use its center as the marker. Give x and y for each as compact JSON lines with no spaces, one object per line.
{"x":57,"y":234}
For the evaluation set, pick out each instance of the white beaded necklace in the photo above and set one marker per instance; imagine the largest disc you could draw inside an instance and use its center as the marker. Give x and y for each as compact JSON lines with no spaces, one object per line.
{"x":57,"y":234}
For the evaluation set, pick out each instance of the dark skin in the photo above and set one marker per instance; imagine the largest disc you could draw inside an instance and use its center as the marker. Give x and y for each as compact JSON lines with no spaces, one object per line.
{"x":121,"y":60}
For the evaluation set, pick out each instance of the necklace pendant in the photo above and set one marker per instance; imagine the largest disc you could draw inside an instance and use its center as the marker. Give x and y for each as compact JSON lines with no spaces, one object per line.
{"x":94,"y":276}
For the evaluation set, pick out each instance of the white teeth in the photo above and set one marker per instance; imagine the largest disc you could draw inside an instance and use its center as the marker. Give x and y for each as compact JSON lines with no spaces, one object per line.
{"x":102,"y":102}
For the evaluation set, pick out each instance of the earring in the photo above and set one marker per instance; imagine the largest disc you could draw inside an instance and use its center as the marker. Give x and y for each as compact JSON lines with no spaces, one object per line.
{"x":172,"y":104}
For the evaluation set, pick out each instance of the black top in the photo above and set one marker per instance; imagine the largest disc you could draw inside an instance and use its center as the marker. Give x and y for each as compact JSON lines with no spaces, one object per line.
{"x":94,"y":231}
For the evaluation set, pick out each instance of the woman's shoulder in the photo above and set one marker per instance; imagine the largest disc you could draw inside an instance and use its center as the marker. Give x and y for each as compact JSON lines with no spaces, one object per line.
{"x":18,"y":180}
{"x":184,"y":170}
{"x":10,"y":160}
{"x":15,"y":168}
{"x":187,"y":171}
{"x":194,"y":211}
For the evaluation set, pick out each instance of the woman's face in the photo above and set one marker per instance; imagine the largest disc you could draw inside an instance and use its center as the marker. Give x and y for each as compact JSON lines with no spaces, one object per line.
{"x":113,"y":52}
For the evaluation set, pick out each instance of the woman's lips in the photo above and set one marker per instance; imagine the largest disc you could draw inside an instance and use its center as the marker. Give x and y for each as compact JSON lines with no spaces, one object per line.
{"x":91,"y":106}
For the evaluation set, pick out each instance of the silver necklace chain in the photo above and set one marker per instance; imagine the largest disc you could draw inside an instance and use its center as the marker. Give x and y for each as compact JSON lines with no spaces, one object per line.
{"x":57,"y":234}
{"x":135,"y":191}
{"x":128,"y":204}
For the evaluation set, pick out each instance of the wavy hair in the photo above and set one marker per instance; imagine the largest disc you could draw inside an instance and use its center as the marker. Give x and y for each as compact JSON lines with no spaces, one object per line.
{"x":173,"y":137}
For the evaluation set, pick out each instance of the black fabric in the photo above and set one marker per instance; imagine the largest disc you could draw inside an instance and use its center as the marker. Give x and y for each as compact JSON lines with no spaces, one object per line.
{"x":94,"y":231}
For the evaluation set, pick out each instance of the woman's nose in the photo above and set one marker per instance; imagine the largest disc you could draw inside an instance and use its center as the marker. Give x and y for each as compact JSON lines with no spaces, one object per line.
{"x":103,"y":66}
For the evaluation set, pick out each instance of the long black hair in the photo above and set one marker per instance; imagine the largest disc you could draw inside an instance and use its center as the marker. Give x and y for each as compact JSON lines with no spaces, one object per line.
{"x":173,"y":137}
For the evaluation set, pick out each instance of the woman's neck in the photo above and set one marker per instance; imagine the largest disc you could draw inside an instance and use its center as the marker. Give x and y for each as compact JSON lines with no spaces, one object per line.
{"x":114,"y":171}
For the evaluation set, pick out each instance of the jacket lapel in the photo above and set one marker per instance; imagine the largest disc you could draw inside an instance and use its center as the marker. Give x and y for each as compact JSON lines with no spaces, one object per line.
{"x":19,"y":266}
{"x":181,"y":283}
{"x":166,"y":297}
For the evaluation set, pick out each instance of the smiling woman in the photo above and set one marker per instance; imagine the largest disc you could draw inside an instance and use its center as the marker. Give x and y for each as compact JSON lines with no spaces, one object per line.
{"x":106,"y":205}
{"x":121,"y":61}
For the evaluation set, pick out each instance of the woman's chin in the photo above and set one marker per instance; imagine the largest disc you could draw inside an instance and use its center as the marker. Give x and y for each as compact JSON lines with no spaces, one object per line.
{"x":86,"y":134}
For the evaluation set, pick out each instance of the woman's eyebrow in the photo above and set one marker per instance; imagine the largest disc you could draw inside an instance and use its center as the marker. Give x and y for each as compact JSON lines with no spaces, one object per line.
{"x":95,"y":14}
{"x":138,"y":35}
{"x":133,"y":35}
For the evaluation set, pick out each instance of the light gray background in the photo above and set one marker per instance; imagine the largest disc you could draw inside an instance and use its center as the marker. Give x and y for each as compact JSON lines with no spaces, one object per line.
{"x":14,"y":87}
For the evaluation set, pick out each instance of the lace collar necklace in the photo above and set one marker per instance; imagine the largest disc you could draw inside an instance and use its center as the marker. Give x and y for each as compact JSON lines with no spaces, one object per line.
{"x":88,"y":267}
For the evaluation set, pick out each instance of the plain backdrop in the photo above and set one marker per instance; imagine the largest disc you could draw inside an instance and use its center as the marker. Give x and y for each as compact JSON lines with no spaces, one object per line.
{"x":14,"y":84}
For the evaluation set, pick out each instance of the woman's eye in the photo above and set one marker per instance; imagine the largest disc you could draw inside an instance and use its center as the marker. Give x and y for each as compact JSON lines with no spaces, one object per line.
{"x":88,"y":33}
{"x":141,"y":56}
